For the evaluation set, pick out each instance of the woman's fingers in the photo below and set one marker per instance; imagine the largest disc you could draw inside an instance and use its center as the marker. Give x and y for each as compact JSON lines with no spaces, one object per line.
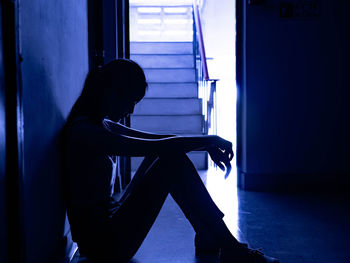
{"x":226,"y":158}
{"x":228,"y":170}
{"x":221,"y":159}
{"x":230,"y":154}
{"x":226,"y":146}
{"x":216,"y":159}
{"x":221,"y":166}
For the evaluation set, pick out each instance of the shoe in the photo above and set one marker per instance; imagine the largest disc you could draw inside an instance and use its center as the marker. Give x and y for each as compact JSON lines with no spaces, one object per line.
{"x":206,"y":245}
{"x":244,"y":254}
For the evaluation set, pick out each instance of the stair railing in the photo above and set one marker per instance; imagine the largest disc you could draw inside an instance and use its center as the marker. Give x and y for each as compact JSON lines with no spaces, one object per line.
{"x":206,"y":85}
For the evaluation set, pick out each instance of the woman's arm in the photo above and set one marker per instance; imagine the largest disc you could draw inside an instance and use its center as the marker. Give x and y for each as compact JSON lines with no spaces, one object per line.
{"x":118,"y":128}
{"x":97,"y":138}
{"x":92,"y":137}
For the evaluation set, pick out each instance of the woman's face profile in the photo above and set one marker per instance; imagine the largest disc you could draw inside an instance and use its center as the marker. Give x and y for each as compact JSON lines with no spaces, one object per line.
{"x":122,"y":85}
{"x":116,"y":106}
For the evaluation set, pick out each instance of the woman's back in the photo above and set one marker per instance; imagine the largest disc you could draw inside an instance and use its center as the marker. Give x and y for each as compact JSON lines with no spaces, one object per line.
{"x":88,"y":169}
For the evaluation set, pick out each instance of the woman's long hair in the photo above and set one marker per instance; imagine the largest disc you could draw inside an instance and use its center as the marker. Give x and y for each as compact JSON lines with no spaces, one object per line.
{"x":125,"y":76}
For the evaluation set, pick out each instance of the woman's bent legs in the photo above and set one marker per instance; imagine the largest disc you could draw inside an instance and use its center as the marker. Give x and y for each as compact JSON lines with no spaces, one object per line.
{"x":194,"y":200}
{"x":142,"y":201}
{"x":140,"y":206}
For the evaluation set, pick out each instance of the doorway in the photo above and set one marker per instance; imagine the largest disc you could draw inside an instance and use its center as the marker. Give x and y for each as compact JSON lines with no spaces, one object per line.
{"x":158,"y":24}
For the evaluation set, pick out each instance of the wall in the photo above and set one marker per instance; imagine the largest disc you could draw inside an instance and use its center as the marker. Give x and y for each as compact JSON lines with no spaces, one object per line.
{"x":53,"y":38}
{"x":3,"y":224}
{"x":295,"y":102}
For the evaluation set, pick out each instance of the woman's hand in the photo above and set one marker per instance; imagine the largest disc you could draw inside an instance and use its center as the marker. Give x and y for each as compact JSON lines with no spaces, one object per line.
{"x":219,"y":149}
{"x":221,"y":153}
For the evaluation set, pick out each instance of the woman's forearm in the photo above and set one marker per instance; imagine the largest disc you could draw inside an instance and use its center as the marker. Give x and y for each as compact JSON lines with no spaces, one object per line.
{"x":169,"y":145}
{"x":192,"y":143}
{"x":118,"y":128}
{"x":108,"y":142}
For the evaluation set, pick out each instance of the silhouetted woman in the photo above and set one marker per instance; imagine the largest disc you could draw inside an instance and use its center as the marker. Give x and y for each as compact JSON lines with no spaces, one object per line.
{"x":110,"y":230}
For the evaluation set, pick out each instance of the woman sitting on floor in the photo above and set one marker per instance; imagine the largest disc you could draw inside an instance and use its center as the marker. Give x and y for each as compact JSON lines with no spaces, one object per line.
{"x":110,"y":230}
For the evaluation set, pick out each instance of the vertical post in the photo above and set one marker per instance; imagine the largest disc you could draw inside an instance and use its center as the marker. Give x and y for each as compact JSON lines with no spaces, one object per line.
{"x":127,"y":55}
{"x":3,"y":213}
{"x":14,"y":131}
{"x":95,"y":28}
{"x":109,"y":21}
{"x":241,"y":82}
{"x":108,"y":40}
{"x":200,"y":39}
{"x":127,"y":29}
{"x":120,"y":28}
{"x":123,"y":51}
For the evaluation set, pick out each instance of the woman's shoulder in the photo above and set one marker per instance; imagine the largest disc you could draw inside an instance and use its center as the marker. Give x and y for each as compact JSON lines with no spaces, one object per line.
{"x":80,"y":126}
{"x":80,"y":121}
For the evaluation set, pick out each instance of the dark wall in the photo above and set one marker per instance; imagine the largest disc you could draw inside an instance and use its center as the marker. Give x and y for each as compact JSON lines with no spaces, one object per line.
{"x":54,"y":46}
{"x":3,"y":224}
{"x":296,"y":95}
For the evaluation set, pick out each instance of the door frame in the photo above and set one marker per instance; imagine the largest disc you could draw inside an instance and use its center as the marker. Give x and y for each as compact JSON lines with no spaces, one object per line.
{"x":14,"y":131}
{"x":109,"y":38}
{"x":241,"y":82}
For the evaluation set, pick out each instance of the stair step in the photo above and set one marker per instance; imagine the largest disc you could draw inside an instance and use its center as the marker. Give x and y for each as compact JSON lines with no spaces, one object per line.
{"x":172,"y":90}
{"x":186,"y":24}
{"x":161,"y":48}
{"x":199,"y":160}
{"x":156,"y":36}
{"x":170,"y":75}
{"x":168,"y":124}
{"x":164,"y":61}
{"x":173,"y":106}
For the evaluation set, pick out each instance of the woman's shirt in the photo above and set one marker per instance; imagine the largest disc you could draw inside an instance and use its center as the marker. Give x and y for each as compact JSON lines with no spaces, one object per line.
{"x":88,"y":166}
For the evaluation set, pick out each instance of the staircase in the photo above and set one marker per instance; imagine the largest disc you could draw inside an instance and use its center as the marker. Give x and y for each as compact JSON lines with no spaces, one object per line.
{"x":171,"y":104}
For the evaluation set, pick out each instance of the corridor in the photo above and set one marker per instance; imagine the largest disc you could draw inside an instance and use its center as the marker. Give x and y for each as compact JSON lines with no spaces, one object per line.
{"x":278,"y":89}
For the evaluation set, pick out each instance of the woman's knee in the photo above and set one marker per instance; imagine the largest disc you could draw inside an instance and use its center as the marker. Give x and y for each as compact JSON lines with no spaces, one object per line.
{"x":173,"y":158}
{"x":175,"y":162}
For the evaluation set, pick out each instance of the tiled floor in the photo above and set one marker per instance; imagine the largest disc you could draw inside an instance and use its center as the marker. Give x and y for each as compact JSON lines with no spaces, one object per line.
{"x":296,"y":228}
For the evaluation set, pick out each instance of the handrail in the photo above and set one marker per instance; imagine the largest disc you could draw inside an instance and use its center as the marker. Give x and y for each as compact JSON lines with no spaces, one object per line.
{"x":200,"y":39}
{"x":206,"y":86}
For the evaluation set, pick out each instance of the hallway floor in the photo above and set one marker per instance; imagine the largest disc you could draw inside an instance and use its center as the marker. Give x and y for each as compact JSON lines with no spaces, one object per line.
{"x":296,"y":228}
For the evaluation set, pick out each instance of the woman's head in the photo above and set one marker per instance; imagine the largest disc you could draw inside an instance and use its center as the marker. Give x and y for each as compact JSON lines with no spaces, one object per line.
{"x":112,"y":90}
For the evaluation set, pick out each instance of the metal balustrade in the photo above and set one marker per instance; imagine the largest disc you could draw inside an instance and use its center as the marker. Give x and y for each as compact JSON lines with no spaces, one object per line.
{"x":206,"y":85}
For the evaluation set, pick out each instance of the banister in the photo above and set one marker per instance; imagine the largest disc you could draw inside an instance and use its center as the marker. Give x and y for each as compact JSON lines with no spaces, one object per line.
{"x":200,"y":39}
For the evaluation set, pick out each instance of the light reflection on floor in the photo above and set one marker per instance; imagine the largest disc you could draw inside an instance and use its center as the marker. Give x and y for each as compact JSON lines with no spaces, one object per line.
{"x":171,"y":237}
{"x":224,"y":193}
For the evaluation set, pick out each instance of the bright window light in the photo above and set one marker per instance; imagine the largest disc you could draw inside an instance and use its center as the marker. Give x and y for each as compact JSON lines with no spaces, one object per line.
{"x":175,"y":10}
{"x":149,"y":21}
{"x":176,"y":21}
{"x":149,"y":33}
{"x":152,"y":10}
{"x":160,"y":2}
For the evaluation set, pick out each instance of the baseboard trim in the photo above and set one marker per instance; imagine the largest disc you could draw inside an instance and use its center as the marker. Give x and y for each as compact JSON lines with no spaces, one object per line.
{"x":332,"y":182}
